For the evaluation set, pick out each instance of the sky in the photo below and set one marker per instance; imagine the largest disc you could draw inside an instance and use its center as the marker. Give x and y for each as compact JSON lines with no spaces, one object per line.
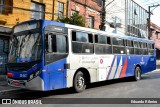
{"x":155,"y":18}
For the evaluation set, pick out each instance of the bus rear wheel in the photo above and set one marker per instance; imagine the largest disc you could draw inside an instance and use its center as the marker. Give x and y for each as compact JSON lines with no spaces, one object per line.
{"x":79,"y":83}
{"x":137,"y":73}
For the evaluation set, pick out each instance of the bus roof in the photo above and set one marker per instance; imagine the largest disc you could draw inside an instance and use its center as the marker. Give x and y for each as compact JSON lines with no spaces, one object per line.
{"x":48,"y":22}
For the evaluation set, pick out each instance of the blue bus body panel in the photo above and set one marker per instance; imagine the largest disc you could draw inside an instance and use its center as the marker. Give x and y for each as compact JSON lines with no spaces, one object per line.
{"x":128,"y":64}
{"x":54,"y":77}
{"x":25,"y":74}
{"x":146,"y":63}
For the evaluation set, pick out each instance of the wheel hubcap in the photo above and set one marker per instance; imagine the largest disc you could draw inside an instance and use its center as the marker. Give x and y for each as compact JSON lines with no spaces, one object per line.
{"x":138,"y":74}
{"x":80,"y":82}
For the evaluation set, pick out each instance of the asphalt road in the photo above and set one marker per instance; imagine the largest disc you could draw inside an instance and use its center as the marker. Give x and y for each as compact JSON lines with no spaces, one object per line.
{"x":148,"y":87}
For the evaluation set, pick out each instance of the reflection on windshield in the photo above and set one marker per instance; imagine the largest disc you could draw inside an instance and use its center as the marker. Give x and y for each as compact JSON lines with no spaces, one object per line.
{"x":25,"y":48}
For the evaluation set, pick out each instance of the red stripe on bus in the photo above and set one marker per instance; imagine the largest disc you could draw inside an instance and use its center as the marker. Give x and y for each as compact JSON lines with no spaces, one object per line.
{"x":124,"y":69}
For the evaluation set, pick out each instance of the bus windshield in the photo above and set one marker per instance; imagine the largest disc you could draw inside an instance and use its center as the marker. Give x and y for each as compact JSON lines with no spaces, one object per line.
{"x":25,"y":47}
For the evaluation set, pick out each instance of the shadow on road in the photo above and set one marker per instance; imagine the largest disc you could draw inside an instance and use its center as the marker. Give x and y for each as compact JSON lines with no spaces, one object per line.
{"x":23,"y":93}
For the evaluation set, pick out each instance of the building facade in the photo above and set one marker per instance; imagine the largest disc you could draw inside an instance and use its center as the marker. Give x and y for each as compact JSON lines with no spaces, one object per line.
{"x":4,"y":48}
{"x":16,"y":11}
{"x":156,"y":37}
{"x":115,"y":16}
{"x":126,"y":16}
{"x":136,"y":19}
{"x":90,"y":10}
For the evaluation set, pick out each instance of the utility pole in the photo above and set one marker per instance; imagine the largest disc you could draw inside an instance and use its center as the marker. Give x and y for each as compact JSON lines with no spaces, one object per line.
{"x":103,"y":15}
{"x":149,"y":21}
{"x":149,"y":18}
{"x":53,"y":10}
{"x":115,"y":24}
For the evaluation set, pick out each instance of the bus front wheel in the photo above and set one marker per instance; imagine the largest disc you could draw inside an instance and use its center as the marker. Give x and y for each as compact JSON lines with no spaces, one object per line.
{"x":137,"y":73}
{"x":79,"y":83}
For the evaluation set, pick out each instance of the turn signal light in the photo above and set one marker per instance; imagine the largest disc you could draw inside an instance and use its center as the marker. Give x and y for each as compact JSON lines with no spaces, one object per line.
{"x":10,"y":74}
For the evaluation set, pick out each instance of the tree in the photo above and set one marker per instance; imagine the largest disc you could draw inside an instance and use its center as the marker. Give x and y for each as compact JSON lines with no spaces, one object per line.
{"x":75,"y":19}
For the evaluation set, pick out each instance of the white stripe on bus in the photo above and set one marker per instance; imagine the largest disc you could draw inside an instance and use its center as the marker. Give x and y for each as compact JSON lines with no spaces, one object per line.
{"x":119,"y":69}
{"x":113,"y":69}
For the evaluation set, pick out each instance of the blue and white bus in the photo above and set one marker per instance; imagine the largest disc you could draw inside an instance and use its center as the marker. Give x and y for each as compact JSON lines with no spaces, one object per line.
{"x":48,"y":55}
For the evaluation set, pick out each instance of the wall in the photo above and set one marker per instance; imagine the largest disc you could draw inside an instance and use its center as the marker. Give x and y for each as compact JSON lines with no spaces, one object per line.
{"x":87,"y":8}
{"x":19,"y":15}
{"x":156,"y":37}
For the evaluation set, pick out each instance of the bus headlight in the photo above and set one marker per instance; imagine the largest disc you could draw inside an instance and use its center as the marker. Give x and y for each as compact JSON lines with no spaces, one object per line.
{"x":31,"y":76}
{"x":37,"y":73}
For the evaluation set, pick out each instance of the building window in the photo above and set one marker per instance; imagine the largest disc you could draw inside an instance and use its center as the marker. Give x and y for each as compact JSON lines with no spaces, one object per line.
{"x":1,"y":6}
{"x":99,"y":2}
{"x":5,"y":6}
{"x":60,"y":9}
{"x":91,"y":22}
{"x":74,"y":12}
{"x":37,"y":7}
{"x":136,"y":22}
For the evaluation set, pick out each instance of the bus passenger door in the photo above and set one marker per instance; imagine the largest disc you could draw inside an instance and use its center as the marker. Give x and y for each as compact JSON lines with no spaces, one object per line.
{"x":55,"y":59}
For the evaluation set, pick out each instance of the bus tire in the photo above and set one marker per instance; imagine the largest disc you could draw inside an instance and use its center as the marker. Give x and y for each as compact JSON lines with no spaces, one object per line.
{"x":79,"y":83}
{"x":137,"y":73}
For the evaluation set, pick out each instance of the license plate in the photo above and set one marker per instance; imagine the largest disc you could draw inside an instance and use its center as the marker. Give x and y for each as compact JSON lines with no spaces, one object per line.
{"x":16,"y":83}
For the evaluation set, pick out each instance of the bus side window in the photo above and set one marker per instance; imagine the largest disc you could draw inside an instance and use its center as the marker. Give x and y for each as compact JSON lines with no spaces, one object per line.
{"x":118,"y":45}
{"x":109,"y":40}
{"x":102,"y":39}
{"x":56,"y":47}
{"x":130,"y":49}
{"x":102,"y":45}
{"x":48,"y":43}
{"x":150,"y":49}
{"x":82,"y":42}
{"x":61,"y":44}
{"x":56,"y":43}
{"x":140,"y":48}
{"x":145,"y":52}
{"x":135,"y":47}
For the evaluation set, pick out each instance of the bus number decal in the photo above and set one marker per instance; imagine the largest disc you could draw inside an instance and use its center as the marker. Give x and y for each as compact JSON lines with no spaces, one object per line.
{"x":23,"y":75}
